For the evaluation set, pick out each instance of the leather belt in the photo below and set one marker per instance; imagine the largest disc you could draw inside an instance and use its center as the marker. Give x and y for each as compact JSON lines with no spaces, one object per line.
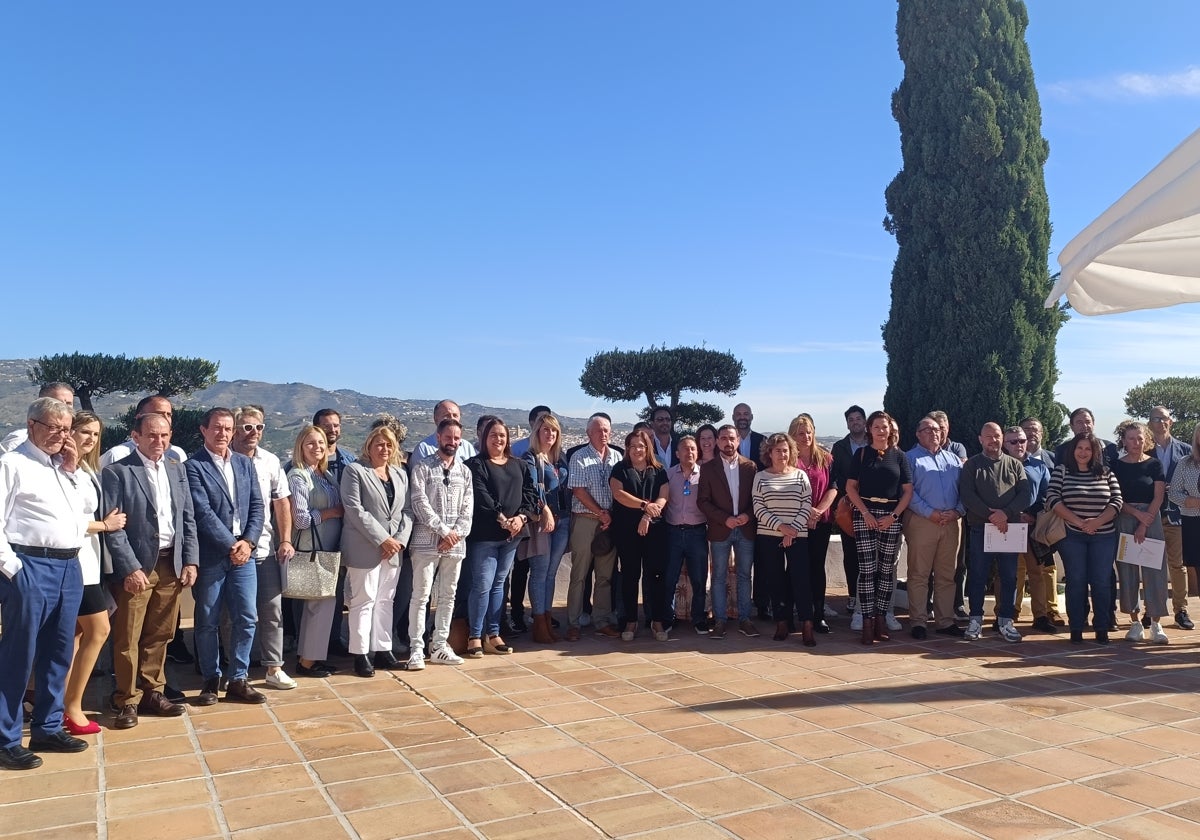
{"x":42,"y":551}
{"x":880,"y":501}
{"x":690,"y":527}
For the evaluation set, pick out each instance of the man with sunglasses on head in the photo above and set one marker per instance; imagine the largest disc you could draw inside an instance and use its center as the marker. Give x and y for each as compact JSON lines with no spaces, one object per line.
{"x":248,"y":427}
{"x":442,"y":501}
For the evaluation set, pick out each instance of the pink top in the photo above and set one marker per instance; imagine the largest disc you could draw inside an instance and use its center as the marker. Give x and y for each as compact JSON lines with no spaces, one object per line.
{"x":818,"y":477}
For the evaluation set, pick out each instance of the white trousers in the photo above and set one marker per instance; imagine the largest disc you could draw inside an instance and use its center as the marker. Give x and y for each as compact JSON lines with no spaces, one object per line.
{"x":369,"y":594}
{"x":425,"y":566}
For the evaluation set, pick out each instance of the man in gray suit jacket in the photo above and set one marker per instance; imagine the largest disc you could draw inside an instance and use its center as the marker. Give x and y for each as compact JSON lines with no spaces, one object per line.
{"x":229,"y":522}
{"x":153,"y":558}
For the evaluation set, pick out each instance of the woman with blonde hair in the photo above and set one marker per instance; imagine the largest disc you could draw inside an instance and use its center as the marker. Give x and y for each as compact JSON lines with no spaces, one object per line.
{"x":316,"y":525}
{"x":376,"y":529}
{"x":782,"y":498}
{"x":545,"y":548}
{"x":816,"y":462}
{"x":91,"y":625}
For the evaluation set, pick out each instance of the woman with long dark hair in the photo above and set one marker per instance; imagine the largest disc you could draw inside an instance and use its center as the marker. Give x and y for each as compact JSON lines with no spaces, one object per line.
{"x":639,"y":488}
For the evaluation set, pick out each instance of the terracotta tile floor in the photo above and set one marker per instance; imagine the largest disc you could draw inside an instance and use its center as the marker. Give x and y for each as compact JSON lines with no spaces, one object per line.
{"x":690,"y":738}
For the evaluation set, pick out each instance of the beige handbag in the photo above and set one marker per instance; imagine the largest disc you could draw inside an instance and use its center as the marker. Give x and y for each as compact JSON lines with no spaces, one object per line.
{"x":311,"y":575}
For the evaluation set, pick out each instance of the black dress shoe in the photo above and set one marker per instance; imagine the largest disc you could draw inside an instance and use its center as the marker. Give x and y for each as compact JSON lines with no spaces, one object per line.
{"x":128,"y":718}
{"x":918,"y":633}
{"x":318,"y":670}
{"x":554,"y":623}
{"x":517,"y":622}
{"x":329,"y":666}
{"x":362,"y":666}
{"x":385,"y":660}
{"x":178,"y":653}
{"x":1183,"y":622}
{"x":208,"y":694}
{"x":19,"y":758}
{"x":822,"y":626}
{"x":1101,"y":637}
{"x":156,"y":703}
{"x":951,"y":630}
{"x":60,"y":741}
{"x":240,"y":691}
{"x":1076,"y":637}
{"x":1043,"y":625}
{"x":173,"y":694}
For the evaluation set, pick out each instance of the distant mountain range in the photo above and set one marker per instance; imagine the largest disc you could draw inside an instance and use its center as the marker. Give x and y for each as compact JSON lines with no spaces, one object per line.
{"x":288,"y":407}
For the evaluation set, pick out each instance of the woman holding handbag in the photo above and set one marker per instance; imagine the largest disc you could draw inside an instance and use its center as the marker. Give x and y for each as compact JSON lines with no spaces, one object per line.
{"x":377,"y":527}
{"x":316,"y":526}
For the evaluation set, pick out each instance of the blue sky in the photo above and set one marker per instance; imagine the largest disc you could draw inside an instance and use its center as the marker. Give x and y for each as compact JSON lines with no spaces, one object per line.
{"x":503,"y":189}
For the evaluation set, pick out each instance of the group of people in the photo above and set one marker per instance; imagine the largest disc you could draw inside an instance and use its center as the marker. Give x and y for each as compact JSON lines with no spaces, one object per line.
{"x":96,"y":547}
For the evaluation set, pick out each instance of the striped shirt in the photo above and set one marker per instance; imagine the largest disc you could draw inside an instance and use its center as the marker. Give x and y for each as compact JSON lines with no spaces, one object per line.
{"x":1085,"y":495}
{"x":781,"y":499}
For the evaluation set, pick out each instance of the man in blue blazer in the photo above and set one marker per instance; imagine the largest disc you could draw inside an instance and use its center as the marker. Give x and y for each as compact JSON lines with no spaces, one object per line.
{"x":229,"y":521}
{"x":153,"y":559}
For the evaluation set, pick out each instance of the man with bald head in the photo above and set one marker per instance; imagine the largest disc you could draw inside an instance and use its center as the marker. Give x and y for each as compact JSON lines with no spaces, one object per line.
{"x":444,"y":410}
{"x":995,"y":489}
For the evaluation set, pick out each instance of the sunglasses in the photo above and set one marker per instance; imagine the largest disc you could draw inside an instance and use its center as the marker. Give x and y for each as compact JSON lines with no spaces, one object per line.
{"x":445,"y":476}
{"x":252,"y":427}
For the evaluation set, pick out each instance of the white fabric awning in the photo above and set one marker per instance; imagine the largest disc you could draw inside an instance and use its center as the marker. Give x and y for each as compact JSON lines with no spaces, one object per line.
{"x":1144,"y":251}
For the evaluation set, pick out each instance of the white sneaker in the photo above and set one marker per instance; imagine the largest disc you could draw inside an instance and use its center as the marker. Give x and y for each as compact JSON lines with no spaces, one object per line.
{"x":856,"y":621}
{"x":280,"y":680}
{"x":974,"y":628}
{"x":893,"y":623}
{"x":1157,"y":635}
{"x":1136,"y":633}
{"x":1008,"y":631}
{"x":445,"y":656}
{"x":830,"y":612}
{"x":852,"y":606}
{"x":416,"y":662}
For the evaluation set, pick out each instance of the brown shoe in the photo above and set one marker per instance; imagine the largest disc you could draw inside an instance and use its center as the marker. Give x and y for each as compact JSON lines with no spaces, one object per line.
{"x":609,"y":631}
{"x":208,"y":694}
{"x":573,"y":634}
{"x":781,"y":631}
{"x":240,"y":691}
{"x":128,"y":718}
{"x":156,"y":703}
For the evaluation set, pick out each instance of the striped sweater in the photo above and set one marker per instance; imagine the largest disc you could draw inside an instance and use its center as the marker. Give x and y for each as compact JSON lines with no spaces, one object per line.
{"x":1085,"y":495}
{"x":780,"y":500}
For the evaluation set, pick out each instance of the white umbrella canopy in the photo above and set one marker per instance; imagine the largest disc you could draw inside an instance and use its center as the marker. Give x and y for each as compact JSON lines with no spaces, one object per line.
{"x":1144,"y":251}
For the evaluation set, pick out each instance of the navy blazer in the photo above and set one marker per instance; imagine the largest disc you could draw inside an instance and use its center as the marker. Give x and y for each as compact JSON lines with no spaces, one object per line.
{"x":214,"y":508}
{"x":127,"y":487}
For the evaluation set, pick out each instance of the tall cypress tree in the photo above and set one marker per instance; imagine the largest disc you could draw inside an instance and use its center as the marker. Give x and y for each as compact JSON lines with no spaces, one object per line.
{"x":967,"y":331}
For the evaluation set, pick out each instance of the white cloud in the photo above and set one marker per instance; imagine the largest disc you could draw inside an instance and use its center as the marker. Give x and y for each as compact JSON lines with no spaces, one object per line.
{"x":1185,"y":83}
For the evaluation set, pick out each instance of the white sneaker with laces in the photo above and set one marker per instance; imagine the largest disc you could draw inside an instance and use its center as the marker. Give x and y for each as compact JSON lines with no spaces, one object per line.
{"x":893,"y":623}
{"x":444,"y":656}
{"x":830,"y":612}
{"x":1157,"y":635}
{"x":856,"y":621}
{"x":280,"y":680}
{"x":974,"y":628}
{"x":1136,"y":632}
{"x":1008,"y":631}
{"x":416,"y":662}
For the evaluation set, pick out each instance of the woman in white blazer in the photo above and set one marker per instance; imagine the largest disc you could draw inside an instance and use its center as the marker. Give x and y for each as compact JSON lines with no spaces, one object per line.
{"x":376,"y":527}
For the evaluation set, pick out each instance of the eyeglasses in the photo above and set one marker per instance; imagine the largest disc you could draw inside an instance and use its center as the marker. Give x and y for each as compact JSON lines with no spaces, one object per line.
{"x":252,"y":427}
{"x":1160,"y":419}
{"x":55,"y":430}
{"x":445,"y":476}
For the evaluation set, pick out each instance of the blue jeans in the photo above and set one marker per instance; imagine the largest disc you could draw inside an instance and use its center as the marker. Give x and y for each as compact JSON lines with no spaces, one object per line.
{"x":1088,"y":563}
{"x":219,"y":581}
{"x":743,"y":549}
{"x":979,"y":565}
{"x":543,"y":568}
{"x":688,"y":545}
{"x":40,"y":604}
{"x":490,"y":563}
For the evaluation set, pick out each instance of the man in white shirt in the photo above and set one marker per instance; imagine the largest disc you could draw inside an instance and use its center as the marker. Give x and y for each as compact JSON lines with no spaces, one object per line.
{"x":248,"y":426}
{"x":60,"y":391}
{"x":42,"y":526}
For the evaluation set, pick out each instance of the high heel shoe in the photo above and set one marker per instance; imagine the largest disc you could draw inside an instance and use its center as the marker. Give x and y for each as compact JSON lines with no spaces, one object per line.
{"x":881,"y":631}
{"x":496,"y":645}
{"x":806,"y":634}
{"x":75,"y":729}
